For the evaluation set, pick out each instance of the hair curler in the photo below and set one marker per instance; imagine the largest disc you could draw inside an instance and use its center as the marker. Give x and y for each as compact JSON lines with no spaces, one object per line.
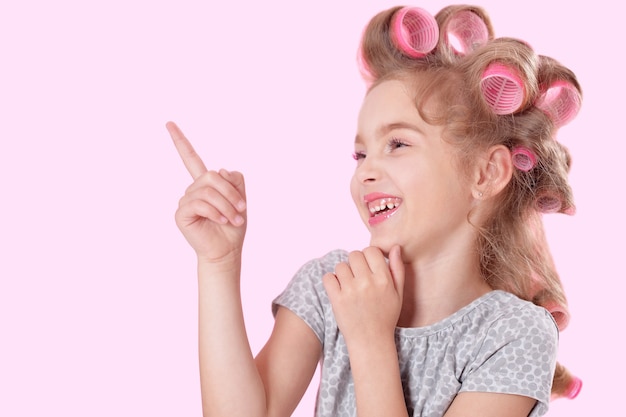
{"x":570,"y":211}
{"x":548,"y":203}
{"x":561,"y":102}
{"x":502,"y":88}
{"x":523,"y":158}
{"x":364,"y":68}
{"x":565,"y":384}
{"x":414,"y":31}
{"x":560,"y":315}
{"x":464,"y":32}
{"x":574,"y":388}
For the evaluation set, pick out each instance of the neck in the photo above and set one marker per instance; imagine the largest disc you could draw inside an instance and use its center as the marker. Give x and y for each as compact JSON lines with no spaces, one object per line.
{"x":436,"y":288}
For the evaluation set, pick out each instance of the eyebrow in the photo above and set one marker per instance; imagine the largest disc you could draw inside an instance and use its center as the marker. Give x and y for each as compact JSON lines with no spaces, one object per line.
{"x":385,"y":129}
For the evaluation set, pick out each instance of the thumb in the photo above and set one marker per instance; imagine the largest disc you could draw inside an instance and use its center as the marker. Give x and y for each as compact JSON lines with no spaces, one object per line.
{"x":397,"y":268}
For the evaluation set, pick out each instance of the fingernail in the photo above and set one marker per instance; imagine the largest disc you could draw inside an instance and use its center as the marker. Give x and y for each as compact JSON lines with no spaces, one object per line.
{"x":223,"y":220}
{"x":241,"y":205}
{"x":238,"y":221}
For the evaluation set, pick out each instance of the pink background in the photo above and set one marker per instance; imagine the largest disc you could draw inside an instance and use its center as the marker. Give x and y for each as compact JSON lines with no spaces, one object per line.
{"x":97,"y":286}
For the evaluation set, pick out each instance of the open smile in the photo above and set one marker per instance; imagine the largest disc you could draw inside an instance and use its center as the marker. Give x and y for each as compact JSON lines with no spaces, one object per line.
{"x":381,"y":207}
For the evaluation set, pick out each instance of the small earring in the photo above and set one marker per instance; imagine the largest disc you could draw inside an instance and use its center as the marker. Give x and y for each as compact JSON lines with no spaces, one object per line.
{"x":480,"y":194}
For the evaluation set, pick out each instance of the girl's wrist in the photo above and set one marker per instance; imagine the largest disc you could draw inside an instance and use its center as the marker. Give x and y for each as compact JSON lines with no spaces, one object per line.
{"x":228,"y":263}
{"x":371,"y":344}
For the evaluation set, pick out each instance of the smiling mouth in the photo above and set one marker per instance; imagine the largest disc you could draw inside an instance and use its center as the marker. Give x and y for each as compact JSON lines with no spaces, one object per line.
{"x":383,"y":206}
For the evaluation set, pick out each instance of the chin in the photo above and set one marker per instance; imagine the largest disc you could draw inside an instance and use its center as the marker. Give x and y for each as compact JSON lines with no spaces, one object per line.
{"x":384,"y":245}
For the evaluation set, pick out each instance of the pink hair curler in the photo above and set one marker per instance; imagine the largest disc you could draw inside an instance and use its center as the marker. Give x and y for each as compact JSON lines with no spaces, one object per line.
{"x":548,"y":204}
{"x":570,"y":211}
{"x":364,"y":68}
{"x":574,"y":389}
{"x":465,"y":32}
{"x":414,"y":31}
{"x":523,"y":158}
{"x":561,"y":101}
{"x":502,"y":88}
{"x":560,"y":315}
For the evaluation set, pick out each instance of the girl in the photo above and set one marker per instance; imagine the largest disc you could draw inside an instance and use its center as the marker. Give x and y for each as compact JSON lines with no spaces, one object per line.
{"x":454,"y":308}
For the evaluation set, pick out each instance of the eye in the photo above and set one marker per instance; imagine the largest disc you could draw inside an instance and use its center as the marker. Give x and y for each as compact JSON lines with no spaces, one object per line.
{"x":395,"y":143}
{"x":358,"y":155}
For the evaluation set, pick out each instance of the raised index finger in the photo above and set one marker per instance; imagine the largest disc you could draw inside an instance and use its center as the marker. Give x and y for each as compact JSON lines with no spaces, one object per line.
{"x":188,"y":154}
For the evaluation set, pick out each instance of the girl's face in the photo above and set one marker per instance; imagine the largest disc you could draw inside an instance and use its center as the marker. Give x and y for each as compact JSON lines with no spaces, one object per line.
{"x":406,"y":185}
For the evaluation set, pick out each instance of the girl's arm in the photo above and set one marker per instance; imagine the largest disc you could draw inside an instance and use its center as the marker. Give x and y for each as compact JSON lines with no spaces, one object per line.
{"x":233,"y":383}
{"x":212,"y":217}
{"x":287,"y":362}
{"x":486,"y":404}
{"x":376,"y":374}
{"x":230,"y":383}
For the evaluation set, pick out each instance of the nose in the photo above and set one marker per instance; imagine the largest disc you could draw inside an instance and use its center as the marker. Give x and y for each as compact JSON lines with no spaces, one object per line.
{"x":368,"y":170}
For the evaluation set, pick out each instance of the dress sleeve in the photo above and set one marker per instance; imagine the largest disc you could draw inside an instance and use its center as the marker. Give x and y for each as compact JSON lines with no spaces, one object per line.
{"x":517,"y":356}
{"x":305,"y":294}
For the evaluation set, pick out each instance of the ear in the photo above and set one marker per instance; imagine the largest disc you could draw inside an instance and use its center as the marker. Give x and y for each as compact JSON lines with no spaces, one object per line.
{"x":492,"y":172}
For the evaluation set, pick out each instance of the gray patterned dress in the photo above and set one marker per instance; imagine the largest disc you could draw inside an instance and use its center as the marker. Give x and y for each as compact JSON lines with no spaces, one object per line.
{"x":498,"y":343}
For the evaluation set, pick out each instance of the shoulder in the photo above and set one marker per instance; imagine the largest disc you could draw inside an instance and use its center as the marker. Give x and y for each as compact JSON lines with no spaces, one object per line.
{"x":502,"y":316}
{"x":314,"y":269}
{"x":516,"y":352}
{"x":307,"y":283}
{"x":506,"y":311}
{"x":326,"y":262}
{"x":305,"y":294}
{"x":500,"y":322}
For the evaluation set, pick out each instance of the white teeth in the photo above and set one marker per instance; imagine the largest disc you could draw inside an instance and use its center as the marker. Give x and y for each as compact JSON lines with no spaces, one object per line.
{"x":384,"y":204}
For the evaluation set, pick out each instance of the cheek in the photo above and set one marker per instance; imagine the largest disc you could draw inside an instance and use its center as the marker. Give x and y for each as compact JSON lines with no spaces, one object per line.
{"x":357,"y":198}
{"x":354,"y":191}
